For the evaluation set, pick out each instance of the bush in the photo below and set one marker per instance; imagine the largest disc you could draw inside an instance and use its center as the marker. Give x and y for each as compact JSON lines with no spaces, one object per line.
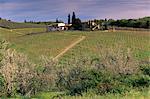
{"x":145,"y":69}
{"x":118,"y":62}
{"x":113,"y":72}
{"x":2,"y":84}
{"x":111,"y":84}
{"x":79,"y":80}
{"x":19,"y":76}
{"x":141,"y":81}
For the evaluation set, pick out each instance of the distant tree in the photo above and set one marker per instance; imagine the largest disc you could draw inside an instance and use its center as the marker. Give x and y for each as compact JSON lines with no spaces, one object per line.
{"x":135,"y":23}
{"x":77,"y":24}
{"x":39,"y":22}
{"x":148,"y":24}
{"x":25,"y":21}
{"x":31,"y":21}
{"x":57,"y":21}
{"x":73,"y":18}
{"x":69,"y":19}
{"x":0,"y":18}
{"x":106,"y":24}
{"x":60,"y":21}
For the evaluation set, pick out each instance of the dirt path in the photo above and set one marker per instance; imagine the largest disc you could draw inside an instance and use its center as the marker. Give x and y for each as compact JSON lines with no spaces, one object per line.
{"x":69,"y":47}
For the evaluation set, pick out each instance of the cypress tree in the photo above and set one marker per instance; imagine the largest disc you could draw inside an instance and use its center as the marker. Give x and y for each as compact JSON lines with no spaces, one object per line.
{"x":69,"y":19}
{"x":73,"y":18}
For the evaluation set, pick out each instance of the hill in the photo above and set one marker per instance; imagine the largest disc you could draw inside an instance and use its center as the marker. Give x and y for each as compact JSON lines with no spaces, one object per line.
{"x":14,"y":25}
{"x":135,"y":23}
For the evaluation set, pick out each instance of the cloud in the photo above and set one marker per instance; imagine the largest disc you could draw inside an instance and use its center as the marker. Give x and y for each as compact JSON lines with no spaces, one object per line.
{"x":50,"y":9}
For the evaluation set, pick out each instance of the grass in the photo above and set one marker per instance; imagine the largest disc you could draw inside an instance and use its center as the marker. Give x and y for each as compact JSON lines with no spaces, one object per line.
{"x":14,"y":25}
{"x":130,"y":95}
{"x":34,"y":46}
{"x":51,"y":44}
{"x":138,"y":42}
{"x":29,"y":30}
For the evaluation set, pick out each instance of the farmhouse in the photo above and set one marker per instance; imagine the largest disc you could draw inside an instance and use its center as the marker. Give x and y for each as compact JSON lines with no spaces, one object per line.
{"x":90,"y":25}
{"x":58,"y":27}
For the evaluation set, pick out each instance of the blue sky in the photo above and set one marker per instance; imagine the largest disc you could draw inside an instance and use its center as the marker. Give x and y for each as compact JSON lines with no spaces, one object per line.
{"x":49,"y":10}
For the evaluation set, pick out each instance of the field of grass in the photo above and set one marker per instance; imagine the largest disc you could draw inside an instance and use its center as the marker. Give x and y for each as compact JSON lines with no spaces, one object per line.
{"x":29,"y":30}
{"x":11,"y":33}
{"x":51,"y":44}
{"x":138,"y":42}
{"x":131,"y":95}
{"x":34,"y":46}
{"x":15,"y":25}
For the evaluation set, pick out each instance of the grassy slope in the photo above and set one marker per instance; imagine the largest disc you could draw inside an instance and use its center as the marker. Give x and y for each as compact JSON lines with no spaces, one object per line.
{"x":49,"y":44}
{"x":95,"y":41}
{"x":53,"y":43}
{"x":14,"y":25}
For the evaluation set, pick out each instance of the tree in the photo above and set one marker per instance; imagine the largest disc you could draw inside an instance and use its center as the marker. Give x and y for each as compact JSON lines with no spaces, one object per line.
{"x":25,"y":21}
{"x":77,"y":24}
{"x":106,"y":26}
{"x":57,"y":21}
{"x":148,"y":24}
{"x":73,"y":18}
{"x":69,"y":19}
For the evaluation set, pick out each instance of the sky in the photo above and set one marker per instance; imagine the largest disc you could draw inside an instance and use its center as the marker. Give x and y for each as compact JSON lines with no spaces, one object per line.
{"x":49,"y":10}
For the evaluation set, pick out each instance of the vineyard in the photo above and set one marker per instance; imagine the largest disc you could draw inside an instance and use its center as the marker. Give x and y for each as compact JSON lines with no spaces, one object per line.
{"x":99,"y":64}
{"x":51,"y":44}
{"x":95,"y":42}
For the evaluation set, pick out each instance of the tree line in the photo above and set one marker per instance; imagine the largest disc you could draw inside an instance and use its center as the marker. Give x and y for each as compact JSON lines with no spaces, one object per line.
{"x":135,"y":23}
{"x":77,"y":23}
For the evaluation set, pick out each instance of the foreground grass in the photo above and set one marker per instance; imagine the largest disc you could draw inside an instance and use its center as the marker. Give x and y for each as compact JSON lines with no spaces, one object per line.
{"x":59,"y":95}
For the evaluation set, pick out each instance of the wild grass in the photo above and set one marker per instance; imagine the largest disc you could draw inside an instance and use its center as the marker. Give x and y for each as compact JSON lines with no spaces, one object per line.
{"x":14,"y":25}
{"x":130,"y":95}
{"x":96,"y":50}
{"x":51,"y":44}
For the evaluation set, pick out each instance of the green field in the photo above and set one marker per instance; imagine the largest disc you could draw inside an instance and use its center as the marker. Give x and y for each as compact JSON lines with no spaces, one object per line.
{"x":52,"y":43}
{"x":16,"y":25}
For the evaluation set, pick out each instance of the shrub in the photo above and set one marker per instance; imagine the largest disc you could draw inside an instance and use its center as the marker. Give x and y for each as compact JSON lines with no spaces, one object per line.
{"x":145,"y":68}
{"x":79,"y":80}
{"x":17,"y":73}
{"x":111,"y":84}
{"x":19,"y":76}
{"x":46,"y":74}
{"x":141,"y":81}
{"x":117,"y":62}
{"x":2,"y":83}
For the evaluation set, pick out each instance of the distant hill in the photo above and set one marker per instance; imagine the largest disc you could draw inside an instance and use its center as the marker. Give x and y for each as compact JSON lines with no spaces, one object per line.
{"x":13,"y":25}
{"x":135,"y":23}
